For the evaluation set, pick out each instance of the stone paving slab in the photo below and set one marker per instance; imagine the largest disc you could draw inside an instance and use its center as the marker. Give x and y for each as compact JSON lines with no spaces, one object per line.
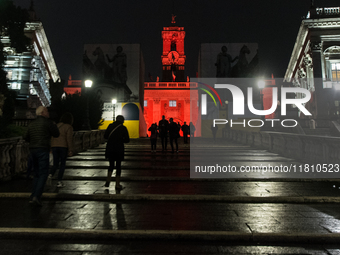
{"x":95,"y":180}
{"x":168,"y":220}
{"x":168,"y":247}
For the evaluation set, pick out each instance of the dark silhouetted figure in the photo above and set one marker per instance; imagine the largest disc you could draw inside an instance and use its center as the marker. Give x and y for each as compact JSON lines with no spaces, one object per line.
{"x":185,"y":130}
{"x":39,"y":135}
{"x":117,"y":135}
{"x":153,"y":136}
{"x":163,"y":126}
{"x":192,"y":131}
{"x":173,"y":134}
{"x":62,"y":147}
{"x":214,"y":131}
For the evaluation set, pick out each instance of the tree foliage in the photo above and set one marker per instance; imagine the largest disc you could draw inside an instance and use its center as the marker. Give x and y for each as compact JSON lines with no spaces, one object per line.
{"x":76,"y":104}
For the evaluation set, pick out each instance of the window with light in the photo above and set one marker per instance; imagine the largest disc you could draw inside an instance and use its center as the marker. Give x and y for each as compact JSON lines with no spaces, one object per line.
{"x":336,"y":72}
{"x":172,"y":103}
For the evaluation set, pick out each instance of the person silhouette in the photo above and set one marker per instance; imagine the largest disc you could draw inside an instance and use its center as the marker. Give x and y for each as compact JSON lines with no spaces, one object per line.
{"x":185,"y":130}
{"x":117,"y":135}
{"x":214,"y":131}
{"x":192,"y":131}
{"x":163,"y":126}
{"x":153,"y":136}
{"x":173,"y":134}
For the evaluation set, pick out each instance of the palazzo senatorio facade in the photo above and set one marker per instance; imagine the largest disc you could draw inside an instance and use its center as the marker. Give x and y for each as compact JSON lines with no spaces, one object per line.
{"x":174,"y":96}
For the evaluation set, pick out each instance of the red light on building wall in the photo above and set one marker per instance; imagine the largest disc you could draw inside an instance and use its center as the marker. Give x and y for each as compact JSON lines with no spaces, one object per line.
{"x":73,"y":86}
{"x":173,"y":101}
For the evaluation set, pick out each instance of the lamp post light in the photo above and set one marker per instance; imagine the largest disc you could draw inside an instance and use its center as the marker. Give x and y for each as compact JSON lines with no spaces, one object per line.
{"x":86,"y":124}
{"x":261,"y":84}
{"x":114,"y":101}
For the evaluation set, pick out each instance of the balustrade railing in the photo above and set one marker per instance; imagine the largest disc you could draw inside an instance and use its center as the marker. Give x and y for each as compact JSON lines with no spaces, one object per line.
{"x":305,"y":148}
{"x":14,"y":151}
{"x":171,"y":85}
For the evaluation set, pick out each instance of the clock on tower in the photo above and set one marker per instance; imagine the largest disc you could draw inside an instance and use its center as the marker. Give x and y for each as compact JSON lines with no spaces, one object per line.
{"x":173,"y":57}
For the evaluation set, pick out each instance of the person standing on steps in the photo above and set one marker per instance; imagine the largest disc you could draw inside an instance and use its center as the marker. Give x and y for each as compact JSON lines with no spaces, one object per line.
{"x":117,"y":135}
{"x":192,"y":131}
{"x":163,"y":126}
{"x":153,"y":136}
{"x":62,"y":147}
{"x":185,"y":129}
{"x":173,"y":134}
{"x":39,"y":133}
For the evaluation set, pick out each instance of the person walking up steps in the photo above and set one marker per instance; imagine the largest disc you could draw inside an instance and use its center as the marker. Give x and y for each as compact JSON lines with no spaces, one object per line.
{"x":173,"y":134}
{"x":62,"y":147}
{"x":153,"y":136}
{"x":39,"y":135}
{"x":163,"y":126}
{"x":117,"y":135}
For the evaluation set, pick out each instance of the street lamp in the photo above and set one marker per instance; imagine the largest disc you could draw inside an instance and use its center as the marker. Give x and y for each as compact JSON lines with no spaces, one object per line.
{"x":114,"y":101}
{"x":86,"y":124}
{"x":88,"y":83}
{"x":261,"y":84}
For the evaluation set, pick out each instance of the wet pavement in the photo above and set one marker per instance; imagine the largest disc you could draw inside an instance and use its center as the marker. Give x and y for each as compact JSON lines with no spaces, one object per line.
{"x":163,"y":211}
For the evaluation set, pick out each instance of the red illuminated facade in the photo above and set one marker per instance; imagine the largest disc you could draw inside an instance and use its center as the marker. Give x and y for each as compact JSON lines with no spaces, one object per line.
{"x":173,"y":97}
{"x":73,"y":86}
{"x":173,"y":57}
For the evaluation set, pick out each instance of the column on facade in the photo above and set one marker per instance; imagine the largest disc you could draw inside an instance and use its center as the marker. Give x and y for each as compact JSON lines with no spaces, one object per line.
{"x":320,"y":93}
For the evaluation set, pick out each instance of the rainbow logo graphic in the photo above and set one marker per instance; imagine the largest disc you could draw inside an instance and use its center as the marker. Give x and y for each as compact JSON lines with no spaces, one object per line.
{"x":209,"y":93}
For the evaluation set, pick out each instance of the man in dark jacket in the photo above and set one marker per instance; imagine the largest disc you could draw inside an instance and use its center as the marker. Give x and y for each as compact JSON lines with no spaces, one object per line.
{"x":117,"y":135}
{"x":174,"y":134}
{"x":185,"y":129}
{"x":163,"y":126}
{"x":39,"y":135}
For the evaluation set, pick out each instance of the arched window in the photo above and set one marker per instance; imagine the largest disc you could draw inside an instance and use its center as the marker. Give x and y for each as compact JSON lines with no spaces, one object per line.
{"x":332,"y":57}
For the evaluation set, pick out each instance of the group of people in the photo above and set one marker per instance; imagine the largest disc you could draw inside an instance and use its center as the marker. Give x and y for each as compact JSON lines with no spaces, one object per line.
{"x":46,"y":137}
{"x":170,"y":129}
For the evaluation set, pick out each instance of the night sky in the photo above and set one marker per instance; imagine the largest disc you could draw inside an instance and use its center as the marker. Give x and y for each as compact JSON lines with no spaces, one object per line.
{"x":273,"y":24}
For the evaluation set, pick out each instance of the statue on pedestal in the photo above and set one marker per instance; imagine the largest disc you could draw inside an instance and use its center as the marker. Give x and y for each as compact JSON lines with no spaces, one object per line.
{"x":223,"y":63}
{"x":119,"y":66}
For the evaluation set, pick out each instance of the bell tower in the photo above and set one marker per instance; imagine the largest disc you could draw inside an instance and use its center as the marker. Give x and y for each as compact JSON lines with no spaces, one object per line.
{"x":173,"y":57}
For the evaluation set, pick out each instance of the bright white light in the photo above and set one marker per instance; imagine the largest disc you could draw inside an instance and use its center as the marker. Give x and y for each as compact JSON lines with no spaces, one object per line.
{"x":261,"y":84}
{"x":88,"y":83}
{"x":114,"y":101}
